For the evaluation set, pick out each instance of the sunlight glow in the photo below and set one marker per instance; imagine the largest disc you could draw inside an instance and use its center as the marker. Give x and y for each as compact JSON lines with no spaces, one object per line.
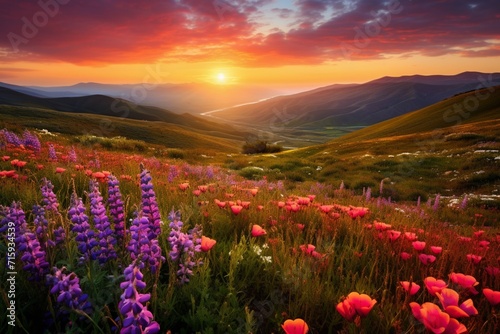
{"x":221,"y":77}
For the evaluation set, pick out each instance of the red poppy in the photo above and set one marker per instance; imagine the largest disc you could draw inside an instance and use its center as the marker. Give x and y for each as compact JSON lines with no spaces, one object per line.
{"x":410,"y":287}
{"x":207,"y":243}
{"x":434,"y":285}
{"x":258,"y":231}
{"x":297,"y":326}
{"x":492,"y":296}
{"x":465,"y":281}
{"x":236,"y":209}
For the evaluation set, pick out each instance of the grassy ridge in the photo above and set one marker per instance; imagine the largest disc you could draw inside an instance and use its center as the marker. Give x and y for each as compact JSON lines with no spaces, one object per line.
{"x":417,"y":155}
{"x":158,"y":133}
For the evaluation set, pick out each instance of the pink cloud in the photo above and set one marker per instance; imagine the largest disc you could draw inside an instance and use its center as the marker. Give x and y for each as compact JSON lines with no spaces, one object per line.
{"x":87,"y":32}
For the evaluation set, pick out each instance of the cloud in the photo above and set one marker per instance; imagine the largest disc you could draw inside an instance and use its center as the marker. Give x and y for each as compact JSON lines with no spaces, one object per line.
{"x":104,"y":32}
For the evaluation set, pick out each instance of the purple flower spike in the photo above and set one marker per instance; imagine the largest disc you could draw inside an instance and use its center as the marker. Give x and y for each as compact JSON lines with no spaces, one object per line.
{"x":72,"y":155}
{"x":68,"y":291}
{"x":32,"y":255}
{"x":14,"y":214}
{"x":184,"y":247}
{"x":141,"y":247}
{"x":52,"y":153}
{"x":31,"y":141}
{"x":133,"y":307}
{"x":149,"y":204}
{"x":115,"y":204}
{"x":84,"y":234}
{"x":106,"y":239}
{"x":49,"y":199}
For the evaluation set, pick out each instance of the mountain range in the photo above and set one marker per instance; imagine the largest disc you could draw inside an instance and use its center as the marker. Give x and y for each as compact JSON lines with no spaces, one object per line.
{"x":192,"y":98}
{"x":351,"y":107}
{"x":294,"y":120}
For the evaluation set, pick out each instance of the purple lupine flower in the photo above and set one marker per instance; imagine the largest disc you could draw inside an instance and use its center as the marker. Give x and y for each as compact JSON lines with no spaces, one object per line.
{"x":31,"y":141}
{"x":133,"y":304}
{"x":97,"y":162}
{"x":381,"y":187}
{"x":41,"y":226}
{"x":342,"y":186}
{"x":16,"y":215}
{"x":49,"y":199}
{"x":11,"y":138}
{"x":4,"y":222}
{"x":435,"y":207}
{"x":72,"y":155}
{"x":418,"y":202}
{"x":141,"y":247}
{"x":149,"y":205}
{"x":105,"y":250}
{"x":33,"y":256}
{"x":68,"y":291}
{"x":173,"y":172}
{"x":115,"y":204}
{"x":209,"y":172}
{"x":184,"y":246}
{"x":463,"y":204}
{"x":368,"y":194}
{"x":52,"y":153}
{"x":84,"y":234}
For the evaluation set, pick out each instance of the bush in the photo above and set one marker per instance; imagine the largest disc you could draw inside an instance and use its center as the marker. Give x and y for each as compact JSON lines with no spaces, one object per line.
{"x":260,"y":146}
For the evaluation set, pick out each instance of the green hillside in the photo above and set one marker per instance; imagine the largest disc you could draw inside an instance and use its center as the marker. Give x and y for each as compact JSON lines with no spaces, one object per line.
{"x":416,"y":155}
{"x":449,"y":112}
{"x":151,"y":132}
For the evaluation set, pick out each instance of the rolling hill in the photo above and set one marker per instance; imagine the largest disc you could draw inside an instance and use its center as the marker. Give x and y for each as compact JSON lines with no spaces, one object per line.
{"x":443,"y":148}
{"x":347,"y":106}
{"x":117,"y":108}
{"x":192,"y":98}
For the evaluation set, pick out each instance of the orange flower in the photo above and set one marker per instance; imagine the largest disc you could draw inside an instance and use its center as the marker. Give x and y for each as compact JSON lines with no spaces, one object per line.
{"x":219,"y":203}
{"x":355,"y":304}
{"x":346,"y":310}
{"x":418,"y":245}
{"x":465,"y":281}
{"x":207,"y":243}
{"x":325,"y":208}
{"x":436,"y":249}
{"x":405,"y":256}
{"x":236,"y":209}
{"x":449,"y":301}
{"x":257,"y":231}
{"x":492,"y":296}
{"x":60,"y":170}
{"x":393,"y":235}
{"x":434,"y":285}
{"x":183,"y":186}
{"x":297,"y":326}
{"x":410,"y":287}
{"x":426,"y":259}
{"x":431,"y":316}
{"x":362,"y":303}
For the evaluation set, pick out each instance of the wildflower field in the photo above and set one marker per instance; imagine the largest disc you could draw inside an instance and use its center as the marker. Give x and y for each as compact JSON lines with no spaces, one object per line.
{"x":112,"y":241}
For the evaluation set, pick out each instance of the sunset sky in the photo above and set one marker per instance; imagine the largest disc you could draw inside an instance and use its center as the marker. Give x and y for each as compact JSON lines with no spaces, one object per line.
{"x":287,"y":44}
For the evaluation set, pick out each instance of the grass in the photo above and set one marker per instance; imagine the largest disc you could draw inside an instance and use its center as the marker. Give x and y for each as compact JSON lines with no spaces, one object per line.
{"x":237,"y":289}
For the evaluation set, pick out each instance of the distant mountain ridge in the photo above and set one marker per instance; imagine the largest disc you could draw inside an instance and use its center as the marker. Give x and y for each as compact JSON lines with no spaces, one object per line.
{"x":356,"y":105}
{"x":103,"y":105}
{"x":178,"y":98}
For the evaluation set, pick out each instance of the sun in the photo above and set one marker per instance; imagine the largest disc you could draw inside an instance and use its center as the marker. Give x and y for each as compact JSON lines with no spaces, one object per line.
{"x":221,"y":77}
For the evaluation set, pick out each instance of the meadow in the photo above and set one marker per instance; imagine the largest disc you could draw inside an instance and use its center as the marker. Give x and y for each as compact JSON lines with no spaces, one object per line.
{"x":116,"y":236}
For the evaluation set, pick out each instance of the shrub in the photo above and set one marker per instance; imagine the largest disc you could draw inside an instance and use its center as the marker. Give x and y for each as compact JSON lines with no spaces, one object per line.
{"x":260,"y":146}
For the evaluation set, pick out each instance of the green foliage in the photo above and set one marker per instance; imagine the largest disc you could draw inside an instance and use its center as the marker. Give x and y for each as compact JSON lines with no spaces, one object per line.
{"x":259,"y":147}
{"x":114,"y":143}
